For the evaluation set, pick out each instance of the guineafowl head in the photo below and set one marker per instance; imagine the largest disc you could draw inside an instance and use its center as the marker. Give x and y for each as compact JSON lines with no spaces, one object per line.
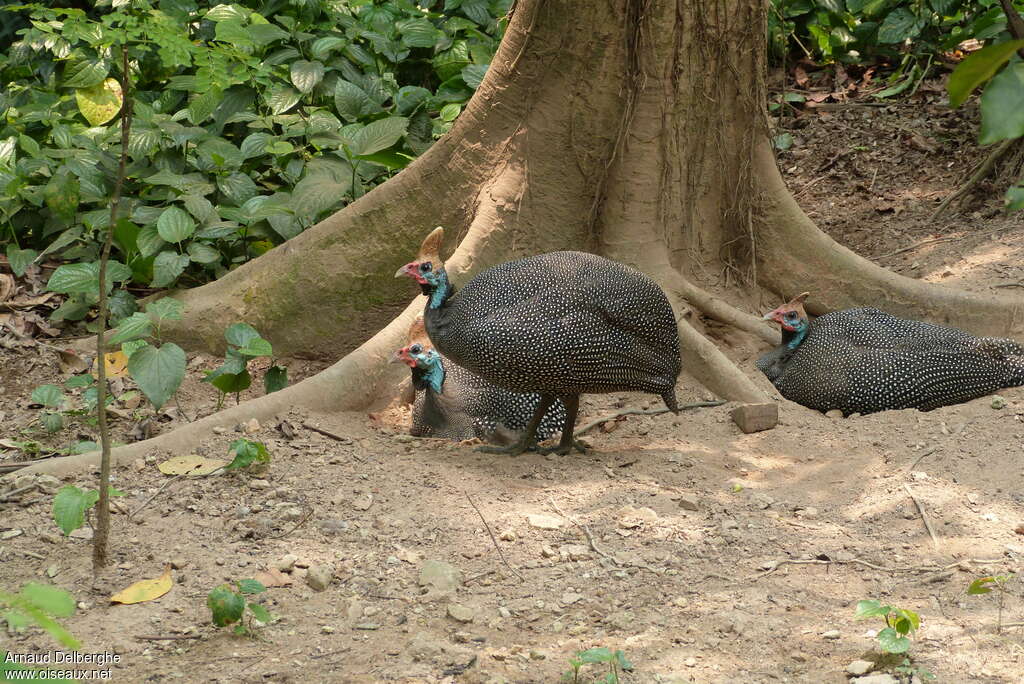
{"x":428,"y":268}
{"x":422,"y":358}
{"x":792,"y":317}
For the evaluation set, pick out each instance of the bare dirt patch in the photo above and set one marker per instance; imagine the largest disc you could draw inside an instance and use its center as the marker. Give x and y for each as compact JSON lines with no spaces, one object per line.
{"x":706,"y":555}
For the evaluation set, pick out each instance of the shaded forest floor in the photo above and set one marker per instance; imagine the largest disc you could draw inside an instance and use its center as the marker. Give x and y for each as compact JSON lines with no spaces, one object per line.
{"x":706,"y":555}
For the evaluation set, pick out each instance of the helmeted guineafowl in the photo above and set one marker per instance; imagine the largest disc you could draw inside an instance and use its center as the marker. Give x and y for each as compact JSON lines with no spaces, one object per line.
{"x":453,"y":403}
{"x":865,"y":360}
{"x":560,"y":324}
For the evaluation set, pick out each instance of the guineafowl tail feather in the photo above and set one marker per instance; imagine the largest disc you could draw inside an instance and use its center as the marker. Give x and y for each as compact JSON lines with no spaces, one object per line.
{"x":670,"y":400}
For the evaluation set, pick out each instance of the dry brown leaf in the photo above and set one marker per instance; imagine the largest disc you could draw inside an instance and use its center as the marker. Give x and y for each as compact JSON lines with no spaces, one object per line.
{"x":145,"y":590}
{"x":190,"y":464}
{"x":273,"y":578}
{"x":70,"y":362}
{"x":116,"y":364}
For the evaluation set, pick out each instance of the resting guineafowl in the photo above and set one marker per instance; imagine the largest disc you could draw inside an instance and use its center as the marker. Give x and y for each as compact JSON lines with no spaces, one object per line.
{"x":865,"y":360}
{"x":560,"y":324}
{"x":453,"y":403}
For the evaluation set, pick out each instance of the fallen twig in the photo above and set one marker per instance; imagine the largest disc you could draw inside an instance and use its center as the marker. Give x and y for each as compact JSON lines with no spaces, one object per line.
{"x":920,"y":458}
{"x":593,"y":544}
{"x":873,"y":566}
{"x":983,"y":170}
{"x":642,"y":412}
{"x":158,"y":493}
{"x":299,"y":524}
{"x":493,"y":540}
{"x":325,"y":433}
{"x":934,"y":240}
{"x":15,"y":492}
{"x":174,"y":637}
{"x":924,"y":517}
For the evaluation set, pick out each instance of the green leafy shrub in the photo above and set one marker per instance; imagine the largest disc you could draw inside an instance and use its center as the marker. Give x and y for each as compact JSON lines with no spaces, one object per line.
{"x":71,"y":504}
{"x":232,"y":376}
{"x":227,"y":606}
{"x":250,"y":123}
{"x":900,"y":624}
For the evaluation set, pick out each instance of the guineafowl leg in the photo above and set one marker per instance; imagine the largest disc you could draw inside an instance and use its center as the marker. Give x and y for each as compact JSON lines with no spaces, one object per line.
{"x":568,"y":442}
{"x":528,"y":438}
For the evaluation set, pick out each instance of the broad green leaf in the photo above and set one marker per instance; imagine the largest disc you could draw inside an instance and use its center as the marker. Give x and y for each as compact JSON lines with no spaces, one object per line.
{"x":101,"y":102}
{"x":265,"y":34}
{"x":61,"y":195}
{"x":1014,"y":198}
{"x":351,"y":101}
{"x":251,"y":586}
{"x":83,"y":447}
{"x":978,"y":68}
{"x":315,"y":194}
{"x":200,"y":207}
{"x":53,"y":422}
{"x":84,"y":278}
{"x":175,"y":225}
{"x":129,"y":348}
{"x":20,"y":259}
{"x":255,"y":144}
{"x":69,"y":508}
{"x":149,"y":241}
{"x":51,"y":600}
{"x":225,"y":605}
{"x":899,"y":25}
{"x":167,"y":266}
{"x":165,"y":308}
{"x":306,"y":75}
{"x":596,"y":655}
{"x":418,"y":33}
{"x":225,"y":12}
{"x":276,"y":378}
{"x":48,"y":395}
{"x":474,"y":74}
{"x":323,"y":47}
{"x":121,"y":304}
{"x":1002,"y":106}
{"x":978,"y":586}
{"x":892,"y":642}
{"x":83,"y":380}
{"x":260,"y":613}
{"x":158,"y":371}
{"x":282,"y":98}
{"x":408,"y":98}
{"x":390,"y":158}
{"x":452,"y":61}
{"x":136,"y":326}
{"x":256,"y":347}
{"x":238,"y":187}
{"x":63,"y":240}
{"x":450,"y":111}
{"x":201,"y":107}
{"x":246,"y":453}
{"x":85,"y":73}
{"x":871,"y":608}
{"x":241,"y":334}
{"x":231,"y":383}
{"x":202,"y":253}
{"x":379,"y":135}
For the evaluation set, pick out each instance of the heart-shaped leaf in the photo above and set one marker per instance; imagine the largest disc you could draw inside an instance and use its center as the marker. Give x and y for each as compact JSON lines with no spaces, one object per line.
{"x":158,"y":371}
{"x":101,"y":102}
{"x":174,"y":224}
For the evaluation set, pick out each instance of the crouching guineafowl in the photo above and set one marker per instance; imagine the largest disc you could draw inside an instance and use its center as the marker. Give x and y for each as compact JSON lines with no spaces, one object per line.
{"x":453,"y":403}
{"x":560,"y":324}
{"x":865,"y":360}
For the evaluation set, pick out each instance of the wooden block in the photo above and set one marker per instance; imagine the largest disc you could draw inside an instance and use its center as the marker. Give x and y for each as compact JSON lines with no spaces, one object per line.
{"x":756,"y":417}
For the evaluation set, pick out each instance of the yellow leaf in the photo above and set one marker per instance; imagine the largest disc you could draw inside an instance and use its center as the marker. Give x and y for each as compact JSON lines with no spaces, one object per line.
{"x":145,"y":590}
{"x":100,"y":103}
{"x":190,"y":464}
{"x":116,"y":365}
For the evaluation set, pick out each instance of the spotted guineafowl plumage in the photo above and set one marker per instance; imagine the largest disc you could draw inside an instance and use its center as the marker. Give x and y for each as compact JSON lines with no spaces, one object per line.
{"x":560,"y":324}
{"x":865,"y":360}
{"x":453,"y":403}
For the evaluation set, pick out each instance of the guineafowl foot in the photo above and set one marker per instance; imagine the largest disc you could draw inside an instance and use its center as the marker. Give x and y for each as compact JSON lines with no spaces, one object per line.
{"x":512,"y":449}
{"x":564,"y":449}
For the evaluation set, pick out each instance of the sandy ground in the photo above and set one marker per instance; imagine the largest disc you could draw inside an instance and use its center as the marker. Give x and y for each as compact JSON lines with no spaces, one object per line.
{"x":705,"y":554}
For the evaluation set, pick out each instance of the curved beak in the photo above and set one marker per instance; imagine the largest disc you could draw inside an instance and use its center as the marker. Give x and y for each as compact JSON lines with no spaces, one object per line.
{"x":410,"y":269}
{"x":773,"y":315}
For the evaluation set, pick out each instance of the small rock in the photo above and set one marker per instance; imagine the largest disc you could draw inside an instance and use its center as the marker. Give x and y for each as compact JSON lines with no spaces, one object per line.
{"x":834,"y":413}
{"x":576,"y":552}
{"x":326,"y":629}
{"x":998,"y":402}
{"x":219,"y":429}
{"x":830,"y":634}
{"x":52,"y":570}
{"x":177,"y":563}
{"x":423,"y":646}
{"x":440,"y":576}
{"x":859,"y":667}
{"x":534,"y":655}
{"x":809,"y":512}
{"x":568,"y":598}
{"x":876,"y":679}
{"x":761,"y":500}
{"x":11,"y":534}
{"x":544,"y":522}
{"x":502,"y":610}
{"x":507,"y":535}
{"x":250,"y":426}
{"x":319,"y":577}
{"x":334,"y":526}
{"x":689,"y":662}
{"x":48,"y":483}
{"x":729,"y":524}
{"x":687,"y":502}
{"x":286,"y":562}
{"x":361,"y":502}
{"x":80,"y":533}
{"x":548,"y":552}
{"x":257,"y":485}
{"x":461,"y":613}
{"x":631,"y":517}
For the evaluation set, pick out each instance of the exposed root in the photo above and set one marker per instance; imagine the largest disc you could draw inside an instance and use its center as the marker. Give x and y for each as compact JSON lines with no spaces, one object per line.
{"x":718,"y":309}
{"x":979,"y":175}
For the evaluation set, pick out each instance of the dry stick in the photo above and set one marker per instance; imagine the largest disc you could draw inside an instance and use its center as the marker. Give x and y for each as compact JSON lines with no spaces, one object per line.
{"x":858,"y":561}
{"x":14,"y":492}
{"x":99,"y":542}
{"x":934,"y":240}
{"x":158,"y":493}
{"x":325,"y":433}
{"x":593,"y":544}
{"x":297,"y":525}
{"x":983,"y":170}
{"x":920,"y":458}
{"x":642,"y":412}
{"x":141,"y":637}
{"x":493,"y":540}
{"x":924,"y":517}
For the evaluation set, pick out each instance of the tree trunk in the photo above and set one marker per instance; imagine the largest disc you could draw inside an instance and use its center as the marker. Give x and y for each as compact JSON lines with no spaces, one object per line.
{"x":631,"y":128}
